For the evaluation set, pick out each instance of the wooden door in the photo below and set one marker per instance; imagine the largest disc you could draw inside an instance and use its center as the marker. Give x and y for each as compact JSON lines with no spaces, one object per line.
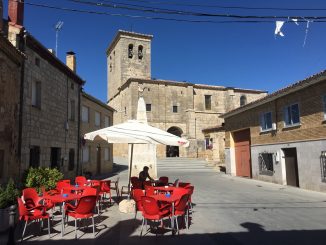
{"x":242,"y":153}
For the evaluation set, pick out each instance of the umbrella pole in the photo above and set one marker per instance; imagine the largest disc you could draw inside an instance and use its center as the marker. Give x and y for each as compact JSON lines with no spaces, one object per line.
{"x":130,"y":167}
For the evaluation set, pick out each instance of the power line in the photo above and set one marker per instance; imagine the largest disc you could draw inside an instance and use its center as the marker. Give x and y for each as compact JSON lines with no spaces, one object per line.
{"x":197,"y":14}
{"x":225,"y":6}
{"x":158,"y":18}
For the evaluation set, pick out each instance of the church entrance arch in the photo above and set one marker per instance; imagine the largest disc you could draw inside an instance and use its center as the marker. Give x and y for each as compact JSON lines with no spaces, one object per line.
{"x":173,"y":151}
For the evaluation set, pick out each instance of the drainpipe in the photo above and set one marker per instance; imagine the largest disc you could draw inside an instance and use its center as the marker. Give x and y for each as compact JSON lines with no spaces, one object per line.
{"x":78,"y":132}
{"x":21,"y":105}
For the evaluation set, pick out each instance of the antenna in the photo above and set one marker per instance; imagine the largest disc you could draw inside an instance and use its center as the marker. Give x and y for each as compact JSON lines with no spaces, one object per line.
{"x":58,"y":27}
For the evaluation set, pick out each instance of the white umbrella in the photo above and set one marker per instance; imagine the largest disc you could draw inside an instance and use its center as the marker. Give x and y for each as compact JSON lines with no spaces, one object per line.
{"x":135,"y":132}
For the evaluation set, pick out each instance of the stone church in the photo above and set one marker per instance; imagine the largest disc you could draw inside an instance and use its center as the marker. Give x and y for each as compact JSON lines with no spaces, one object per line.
{"x":185,"y":109}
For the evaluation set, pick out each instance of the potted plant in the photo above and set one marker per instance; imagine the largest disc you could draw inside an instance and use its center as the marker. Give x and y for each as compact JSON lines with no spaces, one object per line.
{"x":8,"y":197}
{"x":42,"y":177}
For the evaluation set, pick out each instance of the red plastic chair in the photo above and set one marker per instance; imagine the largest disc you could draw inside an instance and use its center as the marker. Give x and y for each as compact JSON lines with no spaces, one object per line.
{"x":190,"y":190}
{"x":149,"y":190}
{"x":105,"y":189}
{"x":180,"y":209}
{"x":94,"y":191}
{"x":164,"y":180}
{"x":184,"y":184}
{"x":32,"y":200}
{"x":83,"y":210}
{"x":134,"y":179}
{"x":30,"y":214}
{"x":62,"y":187}
{"x":65,"y":180}
{"x":137,"y":194}
{"x":151,"y":211}
{"x":80,"y":180}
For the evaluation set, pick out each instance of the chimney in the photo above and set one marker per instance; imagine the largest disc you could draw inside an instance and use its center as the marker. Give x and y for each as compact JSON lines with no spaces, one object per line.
{"x":71,"y":61}
{"x":1,"y":16}
{"x":16,"y":12}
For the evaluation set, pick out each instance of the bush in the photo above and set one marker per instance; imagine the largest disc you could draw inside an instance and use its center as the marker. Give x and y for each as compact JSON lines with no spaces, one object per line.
{"x":38,"y":177}
{"x":8,"y":195}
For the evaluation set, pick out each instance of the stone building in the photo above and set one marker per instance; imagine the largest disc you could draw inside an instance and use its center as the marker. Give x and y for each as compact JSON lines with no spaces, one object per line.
{"x":11,"y":61}
{"x":49,"y":95}
{"x":181,"y":108}
{"x":96,"y":155}
{"x":281,"y":138}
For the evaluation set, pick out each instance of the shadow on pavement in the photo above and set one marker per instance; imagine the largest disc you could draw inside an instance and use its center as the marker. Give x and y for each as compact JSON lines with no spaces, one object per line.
{"x":124,"y":232}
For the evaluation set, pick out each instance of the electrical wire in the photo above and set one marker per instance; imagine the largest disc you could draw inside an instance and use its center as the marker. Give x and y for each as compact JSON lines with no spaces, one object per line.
{"x":243,"y":19}
{"x":197,"y":14}
{"x":225,"y":6}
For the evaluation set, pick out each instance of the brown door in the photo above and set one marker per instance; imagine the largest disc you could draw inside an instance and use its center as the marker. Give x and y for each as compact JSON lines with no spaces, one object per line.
{"x":291,"y":166}
{"x":242,"y":153}
{"x":98,"y":159}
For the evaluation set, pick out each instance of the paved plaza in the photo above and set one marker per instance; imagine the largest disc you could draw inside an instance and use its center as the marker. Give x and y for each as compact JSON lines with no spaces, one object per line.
{"x":227,"y":210}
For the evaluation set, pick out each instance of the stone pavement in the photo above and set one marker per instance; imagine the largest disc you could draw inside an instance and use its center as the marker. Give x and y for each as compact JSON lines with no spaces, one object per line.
{"x":227,"y":210}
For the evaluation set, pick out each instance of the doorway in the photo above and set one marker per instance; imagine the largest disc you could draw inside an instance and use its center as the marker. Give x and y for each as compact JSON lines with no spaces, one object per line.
{"x":291,"y":166}
{"x":55,"y":157}
{"x":173,"y":151}
{"x":242,"y":153}
{"x":98,"y":159}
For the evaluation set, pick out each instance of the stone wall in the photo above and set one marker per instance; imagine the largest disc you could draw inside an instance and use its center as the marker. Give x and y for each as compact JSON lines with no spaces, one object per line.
{"x":10,"y":80}
{"x":50,"y":125}
{"x":97,"y":163}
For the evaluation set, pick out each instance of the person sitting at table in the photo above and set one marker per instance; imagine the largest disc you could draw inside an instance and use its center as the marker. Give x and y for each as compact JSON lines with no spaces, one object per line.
{"x":143,"y":175}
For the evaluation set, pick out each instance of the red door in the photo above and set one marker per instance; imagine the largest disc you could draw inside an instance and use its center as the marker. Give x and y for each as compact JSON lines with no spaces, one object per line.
{"x":242,"y":153}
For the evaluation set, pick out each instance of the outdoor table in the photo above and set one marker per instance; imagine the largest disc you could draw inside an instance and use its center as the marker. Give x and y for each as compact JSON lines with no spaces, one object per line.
{"x":170,"y":199}
{"x":62,"y":199}
{"x":164,"y":188}
{"x":75,"y":188}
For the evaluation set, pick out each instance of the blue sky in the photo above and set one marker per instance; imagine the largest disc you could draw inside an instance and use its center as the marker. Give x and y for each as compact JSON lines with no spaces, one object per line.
{"x":245,"y":55}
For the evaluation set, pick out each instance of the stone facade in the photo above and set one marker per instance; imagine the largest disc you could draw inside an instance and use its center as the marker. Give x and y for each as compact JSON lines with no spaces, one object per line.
{"x":50,"y":111}
{"x":307,"y":137}
{"x":177,"y":107}
{"x":49,"y":99}
{"x":11,"y":61}
{"x":98,"y":159}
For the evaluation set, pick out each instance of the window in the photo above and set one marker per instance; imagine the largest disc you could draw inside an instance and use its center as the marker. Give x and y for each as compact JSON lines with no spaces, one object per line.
{"x":208,"y":102}
{"x":291,"y":115}
{"x":85,"y":154}
{"x":85,"y":112}
{"x":106,"y":121}
{"x":97,"y":119}
{"x":71,"y":159}
{"x":34,"y":156}
{"x":175,"y":109}
{"x":324,"y":103}
{"x":130,"y":51}
{"x":208,"y":143}
{"x":2,"y":162}
{"x":140,"y":52}
{"x":37,"y":62}
{"x":243,"y":100}
{"x":266,"y":121}
{"x":36,"y":94}
{"x":110,"y":67}
{"x":72,"y":110}
{"x":265,"y":162}
{"x":72,"y":86}
{"x":148,"y":107}
{"x":106,"y":154}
